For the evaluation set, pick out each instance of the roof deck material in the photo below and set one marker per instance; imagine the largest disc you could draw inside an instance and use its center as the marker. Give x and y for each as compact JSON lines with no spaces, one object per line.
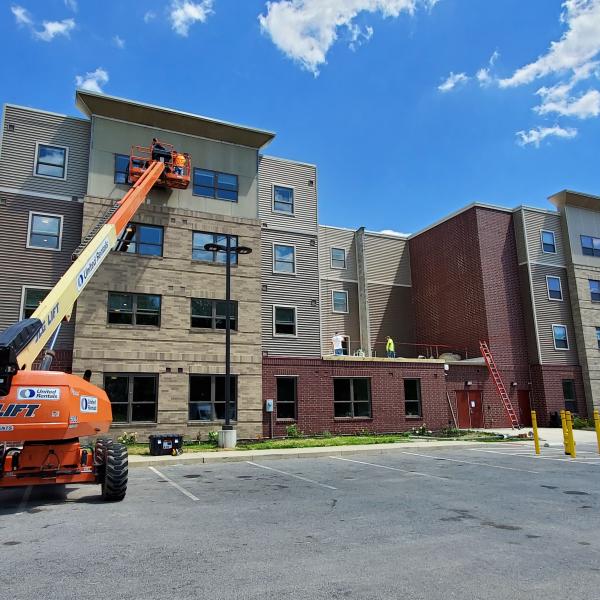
{"x":371,"y":359}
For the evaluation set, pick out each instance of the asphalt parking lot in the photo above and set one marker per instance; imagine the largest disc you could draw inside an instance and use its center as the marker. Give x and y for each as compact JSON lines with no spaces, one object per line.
{"x":481,"y":523}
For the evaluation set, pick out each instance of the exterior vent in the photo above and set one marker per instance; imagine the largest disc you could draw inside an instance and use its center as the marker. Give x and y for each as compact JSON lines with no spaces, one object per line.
{"x":313,"y":242}
{"x":264,"y":287}
{"x":311,"y":183}
{"x":2,"y":201}
{"x":313,"y":302}
{"x":10,"y":126}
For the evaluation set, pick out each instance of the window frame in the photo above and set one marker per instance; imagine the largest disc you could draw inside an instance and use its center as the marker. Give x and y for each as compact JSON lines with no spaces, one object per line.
{"x":598,"y":337}
{"x":283,"y":212}
{"x":544,"y":251}
{"x":286,"y":335}
{"x":574,"y":399}
{"x":37,"y":156}
{"x":137,"y":243}
{"x":213,"y":388}
{"x":213,"y":316}
{"x":294,"y":378}
{"x":340,"y":312}
{"x":126,"y":182}
{"x":419,"y":400}
{"x":561,"y":299}
{"x":595,"y":252}
{"x":352,"y":401}
{"x":34,"y":213}
{"x":215,"y":187}
{"x":24,"y":289}
{"x":234,"y":255}
{"x":130,"y":403}
{"x":134,"y":304}
{"x":592,"y":293}
{"x":345,"y":267}
{"x":275,"y":271}
{"x":554,"y":325}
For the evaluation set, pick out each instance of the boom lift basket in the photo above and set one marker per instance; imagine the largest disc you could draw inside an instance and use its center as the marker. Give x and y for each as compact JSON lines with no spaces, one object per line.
{"x":174,"y":176}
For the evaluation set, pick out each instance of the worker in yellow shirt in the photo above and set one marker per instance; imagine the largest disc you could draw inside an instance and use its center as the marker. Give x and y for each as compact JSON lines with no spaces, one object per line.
{"x":390,"y":349}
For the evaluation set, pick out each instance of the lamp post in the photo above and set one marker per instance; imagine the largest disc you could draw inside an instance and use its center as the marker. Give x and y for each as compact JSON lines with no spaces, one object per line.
{"x":227,"y":440}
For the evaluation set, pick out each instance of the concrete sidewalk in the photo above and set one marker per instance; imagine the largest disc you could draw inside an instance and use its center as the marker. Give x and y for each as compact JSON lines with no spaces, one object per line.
{"x":187,"y":458}
{"x":553,"y":436}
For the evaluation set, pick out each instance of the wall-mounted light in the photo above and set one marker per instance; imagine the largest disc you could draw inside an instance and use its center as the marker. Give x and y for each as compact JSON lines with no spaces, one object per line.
{"x":468,"y":383}
{"x":513,"y":384}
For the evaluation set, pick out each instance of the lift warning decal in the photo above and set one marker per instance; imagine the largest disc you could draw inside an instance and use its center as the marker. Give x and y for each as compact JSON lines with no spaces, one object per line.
{"x":38,"y":393}
{"x":88,"y":404}
{"x":14,"y":410}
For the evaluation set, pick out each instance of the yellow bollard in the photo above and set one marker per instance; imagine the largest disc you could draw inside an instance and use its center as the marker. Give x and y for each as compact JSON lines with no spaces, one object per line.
{"x":569,"y":418}
{"x":536,"y":439}
{"x":597,"y":425}
{"x":563,"y":422}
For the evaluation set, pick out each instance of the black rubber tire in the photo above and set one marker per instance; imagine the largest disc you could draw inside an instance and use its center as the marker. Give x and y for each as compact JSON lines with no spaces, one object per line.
{"x":102,"y":444}
{"x":116,"y":471}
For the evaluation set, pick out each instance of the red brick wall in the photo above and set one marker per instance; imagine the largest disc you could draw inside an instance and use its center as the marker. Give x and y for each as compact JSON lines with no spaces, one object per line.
{"x":63,"y":361}
{"x":315,"y":395}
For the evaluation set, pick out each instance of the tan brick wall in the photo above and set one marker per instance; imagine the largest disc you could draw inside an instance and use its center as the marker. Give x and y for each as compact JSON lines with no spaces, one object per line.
{"x":174,"y":350}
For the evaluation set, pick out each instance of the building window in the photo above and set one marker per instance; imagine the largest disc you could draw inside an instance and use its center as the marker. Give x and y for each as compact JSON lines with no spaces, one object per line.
{"x":121,"y":168}
{"x":590,"y":246}
{"x":207,"y":398}
{"x":284,"y":320}
{"x":338,"y":258}
{"x":561,"y":341}
{"x":568,"y":386}
{"x":51,"y":161}
{"x":283,"y":199}
{"x":548,"y":242}
{"x":594,"y":290}
{"x":212,"y":314}
{"x":287,"y":393}
{"x":45,"y":231}
{"x":554,"y":287}
{"x":146,"y":240}
{"x":133,"y":398}
{"x":352,"y":398}
{"x":284,"y":259}
{"x":412,"y":397}
{"x":222,"y":186}
{"x":200,"y":238}
{"x":31,"y":299}
{"x":339,"y":301}
{"x":598,"y":337}
{"x":133,"y":309}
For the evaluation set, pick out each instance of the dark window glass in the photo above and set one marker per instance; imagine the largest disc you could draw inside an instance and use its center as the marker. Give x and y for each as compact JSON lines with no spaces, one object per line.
{"x":352,"y":397}
{"x":133,"y":398}
{"x":134,"y":309}
{"x":201,"y":238}
{"x":340,"y":301}
{"x":594,"y":290}
{"x":560,"y":337}
{"x":121,"y":168}
{"x":223,"y":186}
{"x":284,"y":258}
{"x":285,"y":320}
{"x":598,"y":336}
{"x":33,"y":298}
{"x":207,"y":398}
{"x":568,"y":386}
{"x":554,"y":288}
{"x":44,"y":231}
{"x":338,"y":258}
{"x":283,"y":199}
{"x":286,"y":397}
{"x":548,"y":242}
{"x":141,"y":239}
{"x":212,"y":314}
{"x":590,"y":246}
{"x":412,"y":397}
{"x":51,"y":161}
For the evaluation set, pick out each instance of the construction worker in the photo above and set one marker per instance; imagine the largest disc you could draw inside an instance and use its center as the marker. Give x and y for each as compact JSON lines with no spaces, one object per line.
{"x":390,"y":349}
{"x":337,"y":341}
{"x":179,"y":161}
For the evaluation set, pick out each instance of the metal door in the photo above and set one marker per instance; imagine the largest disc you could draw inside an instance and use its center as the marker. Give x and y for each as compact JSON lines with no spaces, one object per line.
{"x":524,"y":408}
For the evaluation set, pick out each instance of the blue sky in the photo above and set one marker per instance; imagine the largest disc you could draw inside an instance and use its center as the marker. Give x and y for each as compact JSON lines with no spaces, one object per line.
{"x":410,"y":108}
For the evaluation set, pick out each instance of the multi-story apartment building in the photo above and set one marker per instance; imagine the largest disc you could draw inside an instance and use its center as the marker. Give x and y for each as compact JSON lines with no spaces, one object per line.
{"x":150,"y":323}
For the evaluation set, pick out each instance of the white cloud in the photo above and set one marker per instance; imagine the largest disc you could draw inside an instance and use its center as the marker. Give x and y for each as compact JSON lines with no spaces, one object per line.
{"x":72,"y":4}
{"x":22,"y":16}
{"x":305,"y":30}
{"x":184,"y":13}
{"x":484,"y":76}
{"x":539,"y":134}
{"x":393,"y":232}
{"x":452,"y":81}
{"x":119,"y":42}
{"x":53,"y":28}
{"x":149,"y":16}
{"x":93,"y":81}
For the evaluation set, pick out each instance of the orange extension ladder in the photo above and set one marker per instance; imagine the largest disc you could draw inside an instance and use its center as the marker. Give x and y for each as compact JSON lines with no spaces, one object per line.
{"x":491,"y":363}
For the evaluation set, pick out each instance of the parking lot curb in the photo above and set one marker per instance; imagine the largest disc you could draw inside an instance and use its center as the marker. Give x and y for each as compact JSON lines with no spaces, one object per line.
{"x":192,"y":458}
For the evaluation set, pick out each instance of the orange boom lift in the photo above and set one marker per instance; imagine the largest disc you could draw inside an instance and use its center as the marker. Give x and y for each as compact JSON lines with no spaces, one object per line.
{"x":43,"y":413}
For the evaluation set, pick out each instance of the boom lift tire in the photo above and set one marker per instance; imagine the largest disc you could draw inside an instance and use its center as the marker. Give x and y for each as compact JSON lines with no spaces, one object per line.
{"x":115,"y":470}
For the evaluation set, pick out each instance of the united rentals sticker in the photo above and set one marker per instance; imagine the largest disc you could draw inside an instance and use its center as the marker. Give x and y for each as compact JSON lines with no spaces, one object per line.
{"x":92,"y":264}
{"x":88,"y":404}
{"x":38,"y":393}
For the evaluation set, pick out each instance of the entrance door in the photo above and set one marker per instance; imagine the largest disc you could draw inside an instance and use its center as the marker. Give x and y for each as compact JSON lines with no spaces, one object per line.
{"x":524,"y":408}
{"x":470,"y":409}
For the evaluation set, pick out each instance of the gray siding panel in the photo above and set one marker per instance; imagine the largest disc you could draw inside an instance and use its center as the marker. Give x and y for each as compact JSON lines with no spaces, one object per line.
{"x":519,"y":226}
{"x":300,"y":290}
{"x":288,"y":174}
{"x":388,"y":260}
{"x":17,"y":158}
{"x":347,"y":324}
{"x":330,"y":237}
{"x":21,"y":266}
{"x":535,"y":222}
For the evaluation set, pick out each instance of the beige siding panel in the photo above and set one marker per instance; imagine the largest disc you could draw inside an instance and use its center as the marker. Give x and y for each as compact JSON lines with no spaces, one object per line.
{"x":300,"y":290}
{"x":291,"y":174}
{"x":528,"y":314}
{"x":22,"y":129}
{"x":387,"y":259}
{"x":21,"y":266}
{"x":331,"y":237}
{"x":520,"y":239}
{"x":553,"y":312}
{"x":347,"y":324}
{"x":535,"y":222}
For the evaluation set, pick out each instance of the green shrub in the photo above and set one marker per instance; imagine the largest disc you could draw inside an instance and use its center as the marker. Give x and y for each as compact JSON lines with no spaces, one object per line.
{"x":213,"y":437}
{"x":292,"y":431}
{"x":422,"y":430}
{"x":129,"y":439}
{"x":327,"y":434}
{"x":580,"y":423}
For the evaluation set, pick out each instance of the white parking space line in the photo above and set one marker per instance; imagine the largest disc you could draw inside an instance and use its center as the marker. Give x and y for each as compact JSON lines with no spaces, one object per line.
{"x":176,"y":485}
{"x":466,"y":462}
{"x":360,"y":462}
{"x":329,"y":487}
{"x":24,"y":500}
{"x":583,"y":460}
